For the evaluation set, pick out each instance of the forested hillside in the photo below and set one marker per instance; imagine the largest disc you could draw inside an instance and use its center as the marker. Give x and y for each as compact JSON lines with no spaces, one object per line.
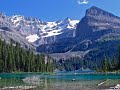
{"x":111,"y":64}
{"x":13,"y":58}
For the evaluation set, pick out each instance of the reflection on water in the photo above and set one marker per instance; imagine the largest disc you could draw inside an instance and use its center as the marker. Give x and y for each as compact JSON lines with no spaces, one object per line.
{"x":60,"y":81}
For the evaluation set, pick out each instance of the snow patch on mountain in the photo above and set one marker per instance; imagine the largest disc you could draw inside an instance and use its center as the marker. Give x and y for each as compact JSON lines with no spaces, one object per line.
{"x":16,"y":19}
{"x":53,"y":33}
{"x":33,"y":28}
{"x":32,"y":38}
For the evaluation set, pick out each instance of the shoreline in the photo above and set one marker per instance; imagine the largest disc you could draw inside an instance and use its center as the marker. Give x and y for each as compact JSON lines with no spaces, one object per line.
{"x":19,"y":88}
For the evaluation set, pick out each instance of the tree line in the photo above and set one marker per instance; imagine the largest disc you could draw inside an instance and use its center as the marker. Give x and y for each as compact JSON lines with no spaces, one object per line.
{"x":13,"y":58}
{"x":107,"y":64}
{"x":112,"y":64}
{"x":74,"y":63}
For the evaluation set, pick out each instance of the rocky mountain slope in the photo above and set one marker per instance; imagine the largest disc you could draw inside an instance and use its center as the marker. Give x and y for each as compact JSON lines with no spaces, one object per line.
{"x":31,"y":32}
{"x":39,"y":32}
{"x":9,"y":33}
{"x":97,"y":33}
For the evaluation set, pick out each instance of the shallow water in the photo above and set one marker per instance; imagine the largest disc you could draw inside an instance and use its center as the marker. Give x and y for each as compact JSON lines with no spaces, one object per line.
{"x":60,"y":81}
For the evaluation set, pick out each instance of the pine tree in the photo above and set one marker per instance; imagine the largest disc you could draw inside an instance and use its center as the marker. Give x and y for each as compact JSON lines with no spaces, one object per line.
{"x":113,"y":64}
{"x":13,"y":58}
{"x":118,"y":58}
{"x":104,"y":64}
{"x":108,"y":63}
{"x":1,"y":61}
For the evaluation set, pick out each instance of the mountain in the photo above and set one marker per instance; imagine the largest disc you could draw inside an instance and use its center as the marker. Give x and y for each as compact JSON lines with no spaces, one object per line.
{"x":31,"y":32}
{"x":39,"y":32}
{"x":97,"y":34}
{"x":9,"y":33}
{"x":97,"y":20}
{"x":100,"y":32}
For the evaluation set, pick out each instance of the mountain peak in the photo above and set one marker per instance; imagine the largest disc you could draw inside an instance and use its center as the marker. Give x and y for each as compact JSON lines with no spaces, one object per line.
{"x":67,"y":20}
{"x":97,"y":19}
{"x":95,"y":11}
{"x":2,"y":15}
{"x":94,"y":7}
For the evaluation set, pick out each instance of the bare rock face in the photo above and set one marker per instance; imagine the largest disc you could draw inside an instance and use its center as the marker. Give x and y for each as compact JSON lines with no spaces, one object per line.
{"x":97,"y":23}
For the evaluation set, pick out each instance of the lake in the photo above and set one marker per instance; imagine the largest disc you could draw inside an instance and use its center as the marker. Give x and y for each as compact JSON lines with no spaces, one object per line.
{"x":60,"y":80}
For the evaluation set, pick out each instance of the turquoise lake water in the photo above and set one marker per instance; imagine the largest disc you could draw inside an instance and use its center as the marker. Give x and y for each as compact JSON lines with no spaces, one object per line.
{"x":60,"y":81}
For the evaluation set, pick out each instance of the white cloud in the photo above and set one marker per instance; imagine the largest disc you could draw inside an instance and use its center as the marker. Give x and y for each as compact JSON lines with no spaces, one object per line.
{"x":82,"y":1}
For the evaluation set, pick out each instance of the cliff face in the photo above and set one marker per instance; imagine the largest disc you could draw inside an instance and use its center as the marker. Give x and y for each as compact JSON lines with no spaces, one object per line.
{"x":97,"y":23}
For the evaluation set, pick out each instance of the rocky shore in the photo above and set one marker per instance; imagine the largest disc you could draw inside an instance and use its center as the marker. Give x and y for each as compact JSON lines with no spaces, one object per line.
{"x":19,"y":88}
{"x":117,"y":87}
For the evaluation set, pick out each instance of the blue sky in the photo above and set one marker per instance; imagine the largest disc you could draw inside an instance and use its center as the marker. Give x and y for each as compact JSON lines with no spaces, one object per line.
{"x":52,"y":10}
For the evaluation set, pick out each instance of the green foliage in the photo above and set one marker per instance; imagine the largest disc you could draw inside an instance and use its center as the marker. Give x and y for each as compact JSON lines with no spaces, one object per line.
{"x":13,"y":58}
{"x":111,"y":64}
{"x":107,"y":64}
{"x":104,"y":64}
{"x":74,"y":63}
{"x":118,"y":66}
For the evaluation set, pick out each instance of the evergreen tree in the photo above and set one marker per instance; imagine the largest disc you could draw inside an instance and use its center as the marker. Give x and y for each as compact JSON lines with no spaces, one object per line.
{"x":118,"y":58}
{"x":108,"y":67}
{"x":104,"y":64}
{"x":13,"y":58}
{"x":113,"y":64}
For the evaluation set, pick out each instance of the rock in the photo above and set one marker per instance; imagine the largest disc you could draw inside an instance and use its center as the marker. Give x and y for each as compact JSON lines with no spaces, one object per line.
{"x":117,"y":86}
{"x":34,"y":80}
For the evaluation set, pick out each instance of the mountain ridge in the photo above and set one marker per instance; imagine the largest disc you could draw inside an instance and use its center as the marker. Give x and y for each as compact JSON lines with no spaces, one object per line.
{"x":96,"y":32}
{"x":40,"y":29}
{"x":96,"y":35}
